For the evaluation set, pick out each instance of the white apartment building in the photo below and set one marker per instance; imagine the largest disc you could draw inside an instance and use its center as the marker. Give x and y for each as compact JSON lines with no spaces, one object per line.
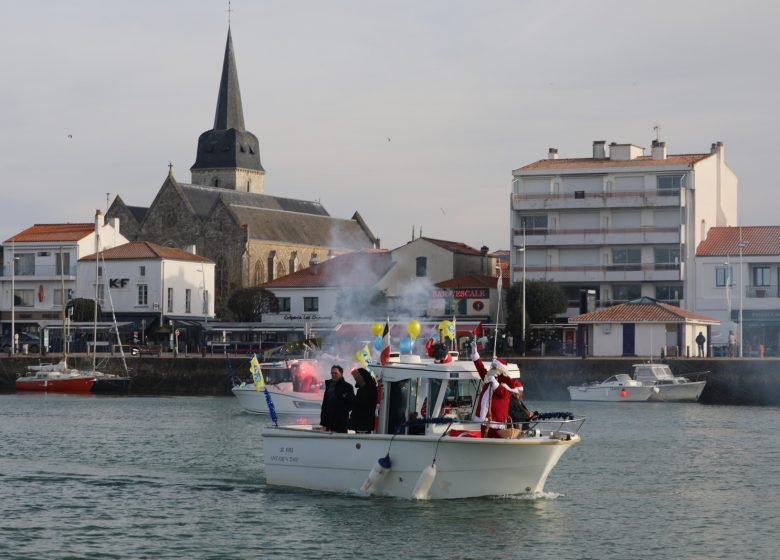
{"x":738,"y":274}
{"x":44,"y":276}
{"x":621,"y":223}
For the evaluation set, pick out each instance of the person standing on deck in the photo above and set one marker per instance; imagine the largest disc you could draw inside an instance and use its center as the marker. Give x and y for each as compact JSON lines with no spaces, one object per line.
{"x":337,"y":401}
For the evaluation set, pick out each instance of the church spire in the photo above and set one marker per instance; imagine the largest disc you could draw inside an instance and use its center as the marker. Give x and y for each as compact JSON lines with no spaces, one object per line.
{"x":230,"y":113}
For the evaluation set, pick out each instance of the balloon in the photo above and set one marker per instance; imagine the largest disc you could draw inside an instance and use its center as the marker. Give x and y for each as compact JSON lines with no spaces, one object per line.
{"x":405,"y":345}
{"x":448,"y":329}
{"x":377,"y":329}
{"x":413,"y":327}
{"x":378,"y":342}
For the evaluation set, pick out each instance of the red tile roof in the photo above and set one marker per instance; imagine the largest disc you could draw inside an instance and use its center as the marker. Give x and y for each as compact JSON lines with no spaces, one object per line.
{"x":53,"y":232}
{"x":643,"y":310}
{"x":145,"y":250}
{"x":358,"y":269}
{"x":454,"y":246}
{"x":473,"y":281}
{"x":757,"y":240}
{"x":641,"y":161}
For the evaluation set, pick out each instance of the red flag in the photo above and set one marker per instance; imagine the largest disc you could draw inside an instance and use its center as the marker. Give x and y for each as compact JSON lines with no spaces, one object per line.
{"x":384,"y":352}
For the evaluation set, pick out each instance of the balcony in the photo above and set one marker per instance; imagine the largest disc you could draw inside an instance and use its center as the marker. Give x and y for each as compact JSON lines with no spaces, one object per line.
{"x":595,"y":200}
{"x":39,"y":272}
{"x":640,"y":272}
{"x":761,"y":291}
{"x":646,"y":235}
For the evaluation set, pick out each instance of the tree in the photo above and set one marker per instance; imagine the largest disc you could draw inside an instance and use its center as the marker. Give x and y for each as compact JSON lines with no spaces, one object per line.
{"x":361,"y":303}
{"x":83,"y":310}
{"x":543,"y":300}
{"x":249,"y":304}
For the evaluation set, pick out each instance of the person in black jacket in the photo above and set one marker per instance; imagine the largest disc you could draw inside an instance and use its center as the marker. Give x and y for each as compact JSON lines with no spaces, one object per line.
{"x":337,"y":401}
{"x":364,"y":407}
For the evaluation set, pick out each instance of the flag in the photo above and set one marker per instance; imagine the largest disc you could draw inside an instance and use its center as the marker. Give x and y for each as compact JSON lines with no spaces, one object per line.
{"x":384,"y":349}
{"x":257,"y":375}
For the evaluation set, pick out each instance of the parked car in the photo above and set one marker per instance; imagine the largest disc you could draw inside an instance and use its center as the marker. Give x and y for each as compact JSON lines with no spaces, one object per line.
{"x":33,"y":342}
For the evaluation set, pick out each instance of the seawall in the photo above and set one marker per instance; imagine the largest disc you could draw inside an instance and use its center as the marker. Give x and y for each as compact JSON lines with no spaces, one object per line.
{"x":744,"y":381}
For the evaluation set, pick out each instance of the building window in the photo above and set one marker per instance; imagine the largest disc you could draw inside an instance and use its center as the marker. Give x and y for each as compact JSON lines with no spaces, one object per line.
{"x":626,"y":292}
{"x":534,"y":225}
{"x":668,"y":185}
{"x":284,"y":304}
{"x":142,"y":270}
{"x":188,"y":301}
{"x":626,"y":259}
{"x":24,"y":298}
{"x":723,"y":276}
{"x":25,"y":264}
{"x":57,"y":300}
{"x":670,"y":293}
{"x":761,"y":276}
{"x":100,"y":271}
{"x":143,"y":294}
{"x":205,"y":302}
{"x":170,"y":299}
{"x":62,"y":264}
{"x":311,"y":304}
{"x":422,"y":267}
{"x":667,"y":258}
{"x":101,"y":291}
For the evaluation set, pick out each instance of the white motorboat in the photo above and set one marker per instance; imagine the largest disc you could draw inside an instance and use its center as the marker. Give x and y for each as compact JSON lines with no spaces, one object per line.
{"x":295,"y":388}
{"x":440,"y":456}
{"x":670,"y":387}
{"x":618,"y":388}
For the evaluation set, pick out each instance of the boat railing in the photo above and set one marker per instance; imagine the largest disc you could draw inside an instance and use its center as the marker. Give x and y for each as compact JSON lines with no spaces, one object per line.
{"x":544,"y":423}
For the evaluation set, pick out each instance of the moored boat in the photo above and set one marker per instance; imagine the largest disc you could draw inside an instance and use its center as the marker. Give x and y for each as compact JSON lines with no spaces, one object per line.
{"x":426,"y":445}
{"x":670,"y":387}
{"x":618,"y":388}
{"x":295,"y":388}
{"x":54,"y":381}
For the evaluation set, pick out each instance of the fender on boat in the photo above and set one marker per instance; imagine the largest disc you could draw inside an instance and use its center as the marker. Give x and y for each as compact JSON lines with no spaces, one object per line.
{"x":424,"y":483}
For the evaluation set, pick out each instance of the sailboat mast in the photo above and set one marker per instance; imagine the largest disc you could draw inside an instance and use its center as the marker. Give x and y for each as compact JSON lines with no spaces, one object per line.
{"x":62,"y":297}
{"x":98,"y":214}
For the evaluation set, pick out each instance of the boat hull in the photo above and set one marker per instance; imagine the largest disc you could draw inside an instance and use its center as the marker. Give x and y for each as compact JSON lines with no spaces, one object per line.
{"x":285,"y":402}
{"x":685,"y":392}
{"x":465,"y":467}
{"x":611,"y":394}
{"x":111,"y":385}
{"x":73,"y":385}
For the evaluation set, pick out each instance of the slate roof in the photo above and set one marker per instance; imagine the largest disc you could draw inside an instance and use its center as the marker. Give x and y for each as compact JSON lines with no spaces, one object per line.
{"x":145,"y":250}
{"x":53,"y":232}
{"x":724,"y":241}
{"x":203,"y":198}
{"x":591,"y":163}
{"x":643,"y":310}
{"x":362,"y":268}
{"x":454,"y":246}
{"x":473,"y":281}
{"x":138,"y":212}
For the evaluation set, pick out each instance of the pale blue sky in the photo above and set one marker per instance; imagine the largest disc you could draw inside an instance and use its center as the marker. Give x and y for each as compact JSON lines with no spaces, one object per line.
{"x":466,"y":91}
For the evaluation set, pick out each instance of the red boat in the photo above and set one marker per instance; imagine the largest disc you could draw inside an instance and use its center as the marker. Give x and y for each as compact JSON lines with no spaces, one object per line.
{"x":56,"y":382}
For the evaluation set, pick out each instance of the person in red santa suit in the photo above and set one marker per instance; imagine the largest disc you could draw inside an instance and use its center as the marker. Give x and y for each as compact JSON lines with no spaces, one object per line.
{"x":493,"y":404}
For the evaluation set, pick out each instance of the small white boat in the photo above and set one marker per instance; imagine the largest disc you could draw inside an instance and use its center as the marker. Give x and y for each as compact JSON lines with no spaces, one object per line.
{"x":617,"y":388}
{"x":440,"y":456}
{"x":295,"y":388}
{"x":670,"y":387}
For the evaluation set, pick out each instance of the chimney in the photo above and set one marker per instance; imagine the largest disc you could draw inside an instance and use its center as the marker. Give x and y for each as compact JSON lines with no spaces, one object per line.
{"x":659,"y":150}
{"x":717,"y":148}
{"x":99,"y":219}
{"x":599,"y":149}
{"x":552,"y":153}
{"x":313,"y":263}
{"x":191,"y":249}
{"x":115,"y":224}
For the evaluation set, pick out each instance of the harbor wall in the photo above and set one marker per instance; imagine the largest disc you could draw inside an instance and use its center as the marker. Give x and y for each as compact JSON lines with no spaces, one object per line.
{"x":744,"y":381}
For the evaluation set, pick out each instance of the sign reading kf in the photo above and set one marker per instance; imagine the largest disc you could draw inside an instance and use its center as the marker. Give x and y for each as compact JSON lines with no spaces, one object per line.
{"x":118,"y":282}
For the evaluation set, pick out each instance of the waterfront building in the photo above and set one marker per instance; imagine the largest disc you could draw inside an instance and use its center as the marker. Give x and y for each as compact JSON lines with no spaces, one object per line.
{"x":40,"y":263}
{"x":738,"y":274}
{"x":159,"y":289}
{"x":621,"y":224}
{"x":642,"y":327}
{"x":253,"y":237}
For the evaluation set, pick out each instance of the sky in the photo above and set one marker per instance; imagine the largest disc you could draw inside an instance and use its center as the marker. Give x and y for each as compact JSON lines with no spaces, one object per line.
{"x":413,"y":113}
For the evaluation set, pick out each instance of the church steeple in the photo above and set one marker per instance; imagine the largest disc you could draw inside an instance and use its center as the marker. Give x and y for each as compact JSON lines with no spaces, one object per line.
{"x":230,"y":113}
{"x":228,"y":155}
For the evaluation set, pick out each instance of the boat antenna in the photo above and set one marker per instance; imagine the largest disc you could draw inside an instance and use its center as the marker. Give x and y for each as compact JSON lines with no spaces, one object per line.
{"x":113,"y":316}
{"x":498,"y":313}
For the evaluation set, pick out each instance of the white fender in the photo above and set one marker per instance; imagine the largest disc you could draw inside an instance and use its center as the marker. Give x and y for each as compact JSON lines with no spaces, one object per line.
{"x":376,"y":474}
{"x":424,"y":483}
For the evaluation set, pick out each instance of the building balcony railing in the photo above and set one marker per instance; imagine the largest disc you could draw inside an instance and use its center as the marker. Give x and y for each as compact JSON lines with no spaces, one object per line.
{"x":585,"y":199}
{"x":770,"y":291}
{"x":639,"y":272}
{"x":40,"y":271}
{"x":596,"y":236}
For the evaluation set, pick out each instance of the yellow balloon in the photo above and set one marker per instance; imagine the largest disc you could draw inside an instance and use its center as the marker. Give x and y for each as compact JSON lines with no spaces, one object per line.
{"x":413,"y":328}
{"x":377,"y":329}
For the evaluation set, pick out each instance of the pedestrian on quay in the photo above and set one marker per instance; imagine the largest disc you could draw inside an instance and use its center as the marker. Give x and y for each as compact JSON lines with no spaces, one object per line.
{"x":700,"y":340}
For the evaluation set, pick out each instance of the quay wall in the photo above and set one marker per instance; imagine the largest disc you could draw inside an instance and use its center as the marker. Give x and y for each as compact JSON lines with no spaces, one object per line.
{"x":743,"y":381}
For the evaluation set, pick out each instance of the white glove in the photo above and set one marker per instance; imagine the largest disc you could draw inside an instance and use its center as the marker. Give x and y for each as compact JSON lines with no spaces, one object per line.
{"x":474,"y":354}
{"x":491,"y":380}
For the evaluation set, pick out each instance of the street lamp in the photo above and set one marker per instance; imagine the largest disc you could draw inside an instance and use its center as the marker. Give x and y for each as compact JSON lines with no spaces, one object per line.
{"x":742,"y":245}
{"x":14,"y":260}
{"x":522,"y":335}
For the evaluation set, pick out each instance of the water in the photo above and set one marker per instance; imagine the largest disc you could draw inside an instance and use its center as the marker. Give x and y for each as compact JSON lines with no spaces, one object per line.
{"x":108,"y":477}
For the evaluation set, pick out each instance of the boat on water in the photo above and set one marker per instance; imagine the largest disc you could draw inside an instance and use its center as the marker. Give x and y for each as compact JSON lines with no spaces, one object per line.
{"x":670,"y":387}
{"x":295,"y":388}
{"x":426,"y":445}
{"x":53,"y":379}
{"x":618,"y":388}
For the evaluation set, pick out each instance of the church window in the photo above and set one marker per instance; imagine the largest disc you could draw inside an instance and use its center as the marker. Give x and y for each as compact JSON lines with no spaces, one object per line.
{"x":251,"y":150}
{"x":259,"y":273}
{"x":281,"y":270}
{"x":241,"y":147}
{"x":221,"y":278}
{"x":272,"y":265}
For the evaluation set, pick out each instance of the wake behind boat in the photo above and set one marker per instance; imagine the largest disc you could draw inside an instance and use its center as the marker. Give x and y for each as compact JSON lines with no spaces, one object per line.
{"x":617,"y":388}
{"x":441,"y":455}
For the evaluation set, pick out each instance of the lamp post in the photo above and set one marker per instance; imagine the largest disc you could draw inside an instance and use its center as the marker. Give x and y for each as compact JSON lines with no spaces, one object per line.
{"x":204,"y":305}
{"x":522,"y":335}
{"x":742,"y":245}
{"x":14,"y":258}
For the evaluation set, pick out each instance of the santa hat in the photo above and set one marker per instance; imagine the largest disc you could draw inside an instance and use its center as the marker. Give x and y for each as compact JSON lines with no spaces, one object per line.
{"x":501,"y":366}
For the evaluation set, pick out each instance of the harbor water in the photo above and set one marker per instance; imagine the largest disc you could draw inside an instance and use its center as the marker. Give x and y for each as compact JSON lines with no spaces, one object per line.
{"x":153,"y":477}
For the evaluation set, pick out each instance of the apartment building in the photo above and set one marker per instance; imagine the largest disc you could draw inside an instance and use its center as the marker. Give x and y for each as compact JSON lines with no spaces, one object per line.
{"x":622,"y":223}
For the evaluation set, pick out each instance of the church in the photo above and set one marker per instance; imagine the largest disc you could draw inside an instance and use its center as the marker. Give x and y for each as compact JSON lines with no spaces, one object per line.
{"x":225,"y":215}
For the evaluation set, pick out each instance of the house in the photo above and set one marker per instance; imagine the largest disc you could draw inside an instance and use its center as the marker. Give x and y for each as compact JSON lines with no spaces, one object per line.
{"x":622,"y":223}
{"x":642,"y":327}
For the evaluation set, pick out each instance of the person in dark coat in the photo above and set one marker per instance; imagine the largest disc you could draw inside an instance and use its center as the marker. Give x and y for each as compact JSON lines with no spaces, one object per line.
{"x":337,"y":401}
{"x":364,"y":407}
